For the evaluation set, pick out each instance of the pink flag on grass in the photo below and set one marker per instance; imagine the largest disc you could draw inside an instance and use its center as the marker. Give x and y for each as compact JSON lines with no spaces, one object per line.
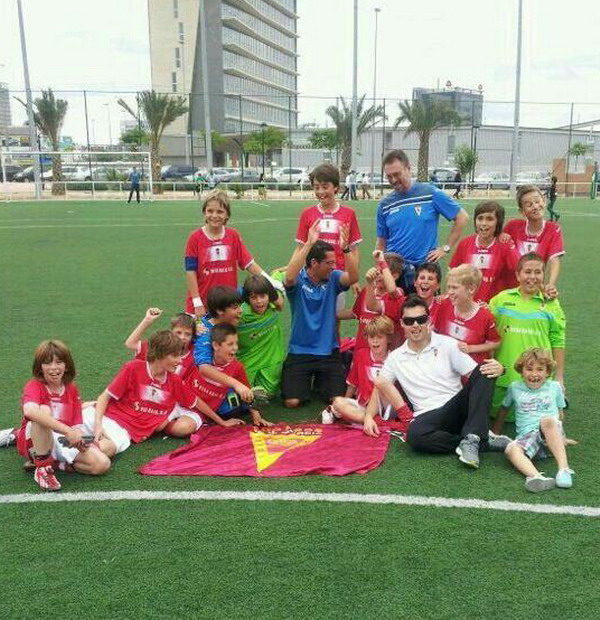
{"x":282,"y":450}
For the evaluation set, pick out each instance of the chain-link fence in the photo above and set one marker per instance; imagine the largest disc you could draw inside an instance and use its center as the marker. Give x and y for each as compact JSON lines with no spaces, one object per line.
{"x":554,"y":139}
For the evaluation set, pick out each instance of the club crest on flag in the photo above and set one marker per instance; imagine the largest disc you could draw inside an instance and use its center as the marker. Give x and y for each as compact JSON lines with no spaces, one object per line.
{"x":271,"y":444}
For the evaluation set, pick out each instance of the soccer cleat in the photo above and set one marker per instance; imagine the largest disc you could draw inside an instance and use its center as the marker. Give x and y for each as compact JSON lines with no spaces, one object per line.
{"x":538,"y":483}
{"x":261,"y":397}
{"x":564,"y":478}
{"x":327,"y":416}
{"x":46,"y":479}
{"x":497,"y":443}
{"x":468,"y":451}
{"x":7,"y":437}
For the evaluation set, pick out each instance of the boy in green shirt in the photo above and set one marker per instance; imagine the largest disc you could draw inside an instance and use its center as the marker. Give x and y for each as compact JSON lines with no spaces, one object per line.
{"x":525,"y":319}
{"x":260,"y":336}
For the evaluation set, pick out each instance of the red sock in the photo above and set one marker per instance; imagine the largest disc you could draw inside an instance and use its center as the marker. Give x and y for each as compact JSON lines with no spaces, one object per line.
{"x":404,"y":417}
{"x":43,"y":460}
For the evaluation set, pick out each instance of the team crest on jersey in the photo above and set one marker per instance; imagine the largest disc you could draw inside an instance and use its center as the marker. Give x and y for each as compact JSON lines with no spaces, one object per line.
{"x":481,"y":261}
{"x":57,"y":409}
{"x":153,"y":394}
{"x":329,"y":225}
{"x":373,"y":372}
{"x":270,"y":444}
{"x":458,"y":331}
{"x":418,"y":209}
{"x":218,"y":253}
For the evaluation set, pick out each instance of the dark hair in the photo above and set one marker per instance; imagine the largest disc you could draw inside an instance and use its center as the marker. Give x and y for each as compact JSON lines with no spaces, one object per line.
{"x":414,"y":301}
{"x":491,"y":206}
{"x":184,"y":319}
{"x":220,"y":332}
{"x":220,"y":298}
{"x":219,"y":196}
{"x":396,"y":154}
{"x":325,"y":173}
{"x":46,"y":352}
{"x":163,"y":343}
{"x":530,"y":256}
{"x":395,"y":263}
{"x":258,"y":285}
{"x":527,"y":189}
{"x":318,"y":251}
{"x":431,"y":267}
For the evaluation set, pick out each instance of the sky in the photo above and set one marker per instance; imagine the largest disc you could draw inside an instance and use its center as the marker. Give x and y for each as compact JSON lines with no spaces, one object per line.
{"x":102,"y":45}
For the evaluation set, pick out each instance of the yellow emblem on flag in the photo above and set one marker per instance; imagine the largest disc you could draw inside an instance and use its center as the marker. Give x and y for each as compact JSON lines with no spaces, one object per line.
{"x":272,"y":443}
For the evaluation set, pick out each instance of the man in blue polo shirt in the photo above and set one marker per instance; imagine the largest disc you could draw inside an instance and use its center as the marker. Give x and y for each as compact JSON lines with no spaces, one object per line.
{"x":312,"y":284}
{"x":407,"y":219}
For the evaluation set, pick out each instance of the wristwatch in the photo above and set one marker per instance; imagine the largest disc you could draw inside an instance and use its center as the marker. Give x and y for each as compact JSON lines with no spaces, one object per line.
{"x":347,"y":250}
{"x":446,"y":248}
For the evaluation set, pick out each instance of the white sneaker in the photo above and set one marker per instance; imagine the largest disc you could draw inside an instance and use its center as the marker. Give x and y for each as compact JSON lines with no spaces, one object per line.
{"x":7,"y":437}
{"x":327,"y":416}
{"x":536,"y":484}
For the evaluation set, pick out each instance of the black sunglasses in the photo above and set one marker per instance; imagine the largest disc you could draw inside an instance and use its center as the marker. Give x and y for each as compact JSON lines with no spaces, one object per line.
{"x":419,"y":320}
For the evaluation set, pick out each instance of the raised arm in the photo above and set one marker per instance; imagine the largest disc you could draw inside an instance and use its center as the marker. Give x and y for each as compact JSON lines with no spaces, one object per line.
{"x":299,"y":255}
{"x":134,"y":339}
{"x":350,"y":275}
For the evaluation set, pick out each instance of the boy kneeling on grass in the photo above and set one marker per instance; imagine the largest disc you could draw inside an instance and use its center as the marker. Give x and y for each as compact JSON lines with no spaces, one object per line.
{"x":538,"y":403}
{"x":219,"y":395}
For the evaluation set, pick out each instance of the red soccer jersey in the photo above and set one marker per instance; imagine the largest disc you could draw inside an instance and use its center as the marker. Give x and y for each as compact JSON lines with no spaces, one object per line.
{"x":140,"y":404}
{"x":435,"y":306}
{"x":477,"y":329}
{"x":362,"y":374}
{"x":65,"y":407}
{"x":212,"y":392}
{"x":497,"y":263}
{"x":215,"y":260}
{"x":183,"y":370}
{"x":329,"y":228}
{"x":391,"y":309}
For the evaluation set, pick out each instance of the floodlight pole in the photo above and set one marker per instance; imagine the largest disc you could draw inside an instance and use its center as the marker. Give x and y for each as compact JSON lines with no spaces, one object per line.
{"x":377,"y":11}
{"x":515,"y":136}
{"x":30,"y":119}
{"x":203,"y":54}
{"x":353,"y":138}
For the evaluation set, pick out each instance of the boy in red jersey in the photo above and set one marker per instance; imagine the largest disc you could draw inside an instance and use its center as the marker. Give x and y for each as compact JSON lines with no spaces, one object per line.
{"x":428,"y":279}
{"x":465,"y":320}
{"x":213,"y":254}
{"x":183,"y":326}
{"x":535,"y":234}
{"x":141,"y":399}
{"x":496,"y":260}
{"x":380,"y":296}
{"x":219,"y":396}
{"x":366,"y":366}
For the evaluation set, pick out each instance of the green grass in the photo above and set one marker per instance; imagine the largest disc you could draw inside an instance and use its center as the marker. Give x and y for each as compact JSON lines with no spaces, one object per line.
{"x":85,"y":273}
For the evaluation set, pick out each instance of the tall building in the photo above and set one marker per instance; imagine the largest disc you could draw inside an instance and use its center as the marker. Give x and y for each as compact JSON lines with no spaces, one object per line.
{"x":252,"y":65}
{"x":5,"y":116}
{"x":466,"y":102}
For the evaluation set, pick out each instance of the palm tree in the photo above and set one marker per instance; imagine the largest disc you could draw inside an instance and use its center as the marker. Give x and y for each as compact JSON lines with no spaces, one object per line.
{"x":579,"y":149}
{"x":342,"y":119}
{"x":158,"y":110}
{"x":423,"y":117}
{"x":49,"y":115}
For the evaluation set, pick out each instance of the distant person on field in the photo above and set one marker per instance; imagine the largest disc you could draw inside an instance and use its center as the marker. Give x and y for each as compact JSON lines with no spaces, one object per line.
{"x":134,"y":185}
{"x":214,"y":252}
{"x":552,"y":194}
{"x":353,"y":185}
{"x":535,"y":234}
{"x":365,"y":186}
{"x":538,"y":402}
{"x":407,"y":219}
{"x":457,"y":185}
{"x":346,"y":193}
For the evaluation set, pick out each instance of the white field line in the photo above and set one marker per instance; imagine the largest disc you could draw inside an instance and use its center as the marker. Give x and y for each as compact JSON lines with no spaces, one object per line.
{"x":266,"y":496}
{"x":140,"y":224}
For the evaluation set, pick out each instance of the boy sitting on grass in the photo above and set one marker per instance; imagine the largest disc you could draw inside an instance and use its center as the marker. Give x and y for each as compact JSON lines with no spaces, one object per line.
{"x":219,"y":396}
{"x":538,"y":402}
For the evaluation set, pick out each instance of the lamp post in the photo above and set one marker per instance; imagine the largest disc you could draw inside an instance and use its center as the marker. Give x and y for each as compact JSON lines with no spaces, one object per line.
{"x":377,"y":11}
{"x":263,"y":126}
{"x":107,"y":106}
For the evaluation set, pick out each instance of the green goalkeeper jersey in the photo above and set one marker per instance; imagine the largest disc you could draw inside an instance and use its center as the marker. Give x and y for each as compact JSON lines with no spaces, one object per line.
{"x":260,"y":338}
{"x":523,"y":324}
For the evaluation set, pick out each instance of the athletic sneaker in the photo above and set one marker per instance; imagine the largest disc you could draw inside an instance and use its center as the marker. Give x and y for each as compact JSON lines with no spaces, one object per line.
{"x":497,"y":443}
{"x":45,"y":477}
{"x":327,"y":416}
{"x":538,"y":483}
{"x":7,"y":437}
{"x":564,"y":478}
{"x":468,"y":451}
{"x":260,"y":395}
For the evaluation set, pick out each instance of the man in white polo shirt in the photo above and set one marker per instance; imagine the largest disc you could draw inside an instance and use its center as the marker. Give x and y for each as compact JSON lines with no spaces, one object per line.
{"x":429,"y":367}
